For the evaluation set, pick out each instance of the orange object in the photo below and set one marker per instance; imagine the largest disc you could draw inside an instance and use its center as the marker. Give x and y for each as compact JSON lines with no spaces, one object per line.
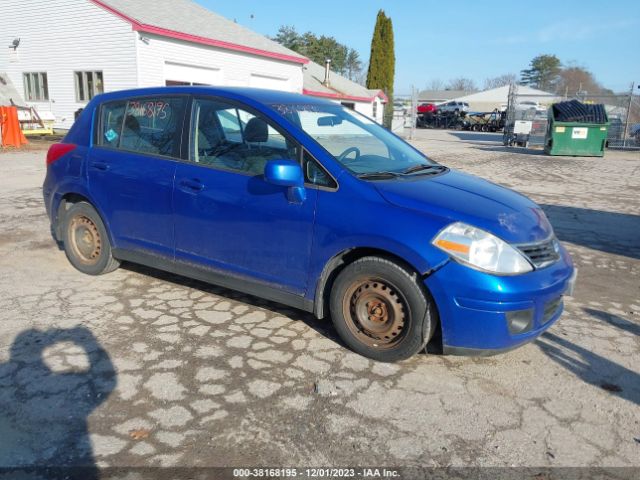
{"x":454,"y":246}
{"x":12,"y":135}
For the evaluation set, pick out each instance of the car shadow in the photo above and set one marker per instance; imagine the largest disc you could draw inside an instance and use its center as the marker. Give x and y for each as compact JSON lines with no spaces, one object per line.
{"x":614,"y":321}
{"x":323,"y":327}
{"x":591,"y":367}
{"x":477,"y":137}
{"x":51,"y":383}
{"x":610,"y":232}
{"x":513,"y":150}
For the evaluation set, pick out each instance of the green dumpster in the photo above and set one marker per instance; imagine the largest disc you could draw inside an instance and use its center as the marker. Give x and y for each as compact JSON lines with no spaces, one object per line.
{"x":576,"y":129}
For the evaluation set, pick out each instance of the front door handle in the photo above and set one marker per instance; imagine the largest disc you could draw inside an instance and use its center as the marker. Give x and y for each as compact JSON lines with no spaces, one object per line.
{"x":192,"y":184}
{"x":102,"y":166}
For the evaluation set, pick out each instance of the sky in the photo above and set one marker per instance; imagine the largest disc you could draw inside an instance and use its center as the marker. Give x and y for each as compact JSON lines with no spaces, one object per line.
{"x":466,"y":38}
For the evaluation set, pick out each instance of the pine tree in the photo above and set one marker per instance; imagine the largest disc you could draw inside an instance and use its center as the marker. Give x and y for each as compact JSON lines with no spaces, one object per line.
{"x":382,"y":62}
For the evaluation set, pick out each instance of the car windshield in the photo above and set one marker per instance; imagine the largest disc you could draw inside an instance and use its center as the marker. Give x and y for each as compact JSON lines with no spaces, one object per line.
{"x":357,"y":142}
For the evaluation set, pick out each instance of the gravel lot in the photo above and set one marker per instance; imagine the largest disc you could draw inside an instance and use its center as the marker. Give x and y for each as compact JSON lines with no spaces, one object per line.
{"x":140,"y":368}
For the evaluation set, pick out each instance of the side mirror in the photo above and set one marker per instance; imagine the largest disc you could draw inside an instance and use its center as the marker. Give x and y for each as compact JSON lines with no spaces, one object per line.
{"x":287,"y":173}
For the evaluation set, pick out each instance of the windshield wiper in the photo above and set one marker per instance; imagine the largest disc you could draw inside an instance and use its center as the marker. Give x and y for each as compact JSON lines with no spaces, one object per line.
{"x":419,"y":168}
{"x":373,"y":175}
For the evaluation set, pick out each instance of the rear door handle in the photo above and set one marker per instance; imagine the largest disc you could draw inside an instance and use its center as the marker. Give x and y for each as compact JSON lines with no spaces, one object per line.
{"x":102,"y":166}
{"x":192,"y":184}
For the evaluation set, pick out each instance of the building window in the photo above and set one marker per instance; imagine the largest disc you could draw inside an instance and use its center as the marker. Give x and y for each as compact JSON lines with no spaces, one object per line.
{"x":36,"y":87}
{"x":88,"y":85}
{"x":375,"y":109}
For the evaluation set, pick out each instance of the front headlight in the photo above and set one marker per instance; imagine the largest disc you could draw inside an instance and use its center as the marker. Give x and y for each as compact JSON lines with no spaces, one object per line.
{"x":481,"y":250}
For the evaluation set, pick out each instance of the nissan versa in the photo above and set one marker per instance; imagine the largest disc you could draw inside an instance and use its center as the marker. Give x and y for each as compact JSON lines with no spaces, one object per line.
{"x":307,"y":203}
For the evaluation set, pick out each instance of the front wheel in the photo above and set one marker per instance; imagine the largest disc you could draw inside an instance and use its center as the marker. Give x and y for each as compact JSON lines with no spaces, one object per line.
{"x":380,"y":310}
{"x":86,"y":242}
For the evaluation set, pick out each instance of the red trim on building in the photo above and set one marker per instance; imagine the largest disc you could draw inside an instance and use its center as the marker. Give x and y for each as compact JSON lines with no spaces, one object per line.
{"x":339,"y":96}
{"x":141,"y":27}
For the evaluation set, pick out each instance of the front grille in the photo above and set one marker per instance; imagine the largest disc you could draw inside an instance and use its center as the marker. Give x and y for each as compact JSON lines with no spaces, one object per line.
{"x":542,"y":254}
{"x":550,"y":309}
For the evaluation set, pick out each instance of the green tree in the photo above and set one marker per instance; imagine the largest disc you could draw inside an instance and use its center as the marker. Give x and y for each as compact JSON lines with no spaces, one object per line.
{"x":344,"y":60}
{"x":382,"y":62}
{"x":353,"y":65}
{"x":543,"y":73}
{"x":287,"y":36}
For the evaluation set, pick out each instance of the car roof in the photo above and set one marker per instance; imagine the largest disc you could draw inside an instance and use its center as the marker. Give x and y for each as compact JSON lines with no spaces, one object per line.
{"x":260,"y":95}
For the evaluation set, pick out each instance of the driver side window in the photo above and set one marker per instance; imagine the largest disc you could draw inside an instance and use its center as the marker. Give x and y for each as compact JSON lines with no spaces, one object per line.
{"x":231,"y":138}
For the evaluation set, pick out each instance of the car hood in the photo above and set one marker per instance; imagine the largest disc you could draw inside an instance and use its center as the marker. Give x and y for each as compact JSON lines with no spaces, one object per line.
{"x":458,"y":197}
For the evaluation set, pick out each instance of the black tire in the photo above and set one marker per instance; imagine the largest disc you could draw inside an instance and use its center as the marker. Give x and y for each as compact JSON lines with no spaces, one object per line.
{"x":400,"y":314}
{"x":86,"y":242}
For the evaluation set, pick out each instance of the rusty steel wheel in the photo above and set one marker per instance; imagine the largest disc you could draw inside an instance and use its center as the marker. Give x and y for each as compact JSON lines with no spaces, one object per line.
{"x":380,"y":310}
{"x":85,"y":239}
{"x":375,"y":311}
{"x":86,"y":242}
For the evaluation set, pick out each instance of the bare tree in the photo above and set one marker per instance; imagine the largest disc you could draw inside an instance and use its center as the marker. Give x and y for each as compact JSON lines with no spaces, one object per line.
{"x":361,"y":77}
{"x":575,"y":79}
{"x":500,"y":81}
{"x":435,"y":84}
{"x":461,"y":83}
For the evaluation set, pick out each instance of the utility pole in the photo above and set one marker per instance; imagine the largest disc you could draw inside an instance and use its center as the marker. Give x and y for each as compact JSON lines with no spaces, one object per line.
{"x":626,"y":122}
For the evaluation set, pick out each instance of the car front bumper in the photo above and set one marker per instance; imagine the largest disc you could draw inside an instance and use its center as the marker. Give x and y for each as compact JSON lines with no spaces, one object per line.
{"x":475,"y":307}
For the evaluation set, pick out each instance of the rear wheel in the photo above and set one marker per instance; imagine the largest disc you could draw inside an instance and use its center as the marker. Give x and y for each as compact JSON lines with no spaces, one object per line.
{"x":380,"y":311}
{"x":86,"y":242}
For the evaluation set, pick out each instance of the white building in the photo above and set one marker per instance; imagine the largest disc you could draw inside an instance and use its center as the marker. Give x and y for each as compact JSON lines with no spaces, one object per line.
{"x":320,"y":82}
{"x":60,"y":53}
{"x":488,"y":100}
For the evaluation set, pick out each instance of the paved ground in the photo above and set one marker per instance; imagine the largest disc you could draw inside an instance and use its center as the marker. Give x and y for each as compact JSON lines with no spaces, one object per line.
{"x":143,"y":368}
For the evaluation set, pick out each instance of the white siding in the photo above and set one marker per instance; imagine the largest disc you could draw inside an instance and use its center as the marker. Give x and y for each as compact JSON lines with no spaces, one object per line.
{"x":366,"y":108}
{"x":233,"y":68}
{"x":189,"y":73}
{"x":63,"y":36}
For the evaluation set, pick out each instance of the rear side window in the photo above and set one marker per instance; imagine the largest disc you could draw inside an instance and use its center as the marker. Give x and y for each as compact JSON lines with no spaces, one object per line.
{"x":146,"y":125}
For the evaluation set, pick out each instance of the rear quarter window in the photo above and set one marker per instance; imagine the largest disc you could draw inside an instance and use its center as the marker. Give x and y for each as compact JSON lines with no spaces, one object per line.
{"x":112,"y":115}
{"x":150,"y":125}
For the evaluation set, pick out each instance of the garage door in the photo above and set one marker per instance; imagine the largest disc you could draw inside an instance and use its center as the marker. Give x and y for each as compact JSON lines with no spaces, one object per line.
{"x":176,"y":73}
{"x":272,"y":83}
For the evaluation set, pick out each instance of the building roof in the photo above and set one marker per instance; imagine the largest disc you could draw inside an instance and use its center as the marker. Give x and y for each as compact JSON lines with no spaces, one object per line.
{"x":188,"y":21}
{"x":8,"y":93}
{"x":501,"y":94}
{"x":339,"y":88}
{"x":441,"y":95}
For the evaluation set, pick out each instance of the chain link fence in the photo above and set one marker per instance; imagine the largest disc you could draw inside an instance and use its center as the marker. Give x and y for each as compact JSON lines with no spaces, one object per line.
{"x":405,"y":118}
{"x":623,"y":112}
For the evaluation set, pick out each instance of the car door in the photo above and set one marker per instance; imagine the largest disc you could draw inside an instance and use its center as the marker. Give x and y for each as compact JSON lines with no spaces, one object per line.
{"x":227,"y":218}
{"x":131,"y":170}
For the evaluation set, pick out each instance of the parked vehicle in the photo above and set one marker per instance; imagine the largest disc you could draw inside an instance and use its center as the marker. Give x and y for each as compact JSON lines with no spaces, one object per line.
{"x":539,"y":123}
{"x":530,"y":105}
{"x":427,"y":108}
{"x":453,"y":107}
{"x":305,"y":202}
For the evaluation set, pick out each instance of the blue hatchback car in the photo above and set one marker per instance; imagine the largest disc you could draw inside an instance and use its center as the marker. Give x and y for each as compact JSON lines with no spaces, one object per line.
{"x":307,"y":203}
